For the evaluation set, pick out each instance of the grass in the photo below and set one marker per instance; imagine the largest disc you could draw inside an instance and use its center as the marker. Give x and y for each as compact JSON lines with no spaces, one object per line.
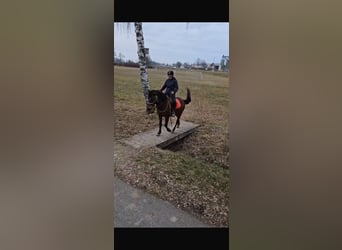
{"x":192,"y":184}
{"x":195,"y":175}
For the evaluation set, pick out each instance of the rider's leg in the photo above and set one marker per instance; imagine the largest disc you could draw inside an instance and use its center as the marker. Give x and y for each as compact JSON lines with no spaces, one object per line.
{"x":173,"y":104}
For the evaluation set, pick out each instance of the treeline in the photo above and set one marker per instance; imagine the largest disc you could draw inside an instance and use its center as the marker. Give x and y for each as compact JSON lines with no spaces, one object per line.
{"x":128,"y":63}
{"x":198,"y":64}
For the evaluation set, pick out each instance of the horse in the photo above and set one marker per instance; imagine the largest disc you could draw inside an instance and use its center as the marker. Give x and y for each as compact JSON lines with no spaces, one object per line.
{"x":157,"y":98}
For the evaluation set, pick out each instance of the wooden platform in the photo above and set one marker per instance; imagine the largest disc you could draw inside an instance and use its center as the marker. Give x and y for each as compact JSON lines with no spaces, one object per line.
{"x":150,"y":138}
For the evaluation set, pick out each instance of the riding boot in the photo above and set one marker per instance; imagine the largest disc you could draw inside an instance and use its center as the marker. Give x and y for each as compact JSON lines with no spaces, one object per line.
{"x":173,"y":109}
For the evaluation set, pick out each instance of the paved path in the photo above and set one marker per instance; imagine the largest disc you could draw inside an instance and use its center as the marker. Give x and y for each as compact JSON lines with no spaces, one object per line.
{"x":135,"y":208}
{"x":150,"y":138}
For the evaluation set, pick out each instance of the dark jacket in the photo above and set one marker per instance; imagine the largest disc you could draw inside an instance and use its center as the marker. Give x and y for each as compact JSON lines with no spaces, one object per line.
{"x":170,"y":85}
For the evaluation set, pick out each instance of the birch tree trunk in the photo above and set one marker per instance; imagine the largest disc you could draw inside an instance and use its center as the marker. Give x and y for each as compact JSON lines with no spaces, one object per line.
{"x":142,"y":62}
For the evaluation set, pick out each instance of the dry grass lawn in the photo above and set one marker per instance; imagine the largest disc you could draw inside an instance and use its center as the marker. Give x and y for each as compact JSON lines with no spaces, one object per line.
{"x":194,"y":174}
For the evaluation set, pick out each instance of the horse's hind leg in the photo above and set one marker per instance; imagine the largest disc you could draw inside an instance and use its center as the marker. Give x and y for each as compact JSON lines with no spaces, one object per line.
{"x":160,"y":125}
{"x":166,"y":123}
{"x":177,"y":122}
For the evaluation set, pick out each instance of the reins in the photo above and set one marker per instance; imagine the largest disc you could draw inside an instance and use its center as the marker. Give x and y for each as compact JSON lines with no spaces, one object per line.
{"x":167,"y":105}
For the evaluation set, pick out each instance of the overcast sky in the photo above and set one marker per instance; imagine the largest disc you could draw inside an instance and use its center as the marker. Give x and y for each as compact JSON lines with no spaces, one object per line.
{"x":172,"y":42}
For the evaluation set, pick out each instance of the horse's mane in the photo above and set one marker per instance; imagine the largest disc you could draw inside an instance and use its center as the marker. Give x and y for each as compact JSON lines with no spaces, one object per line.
{"x":161,"y":95}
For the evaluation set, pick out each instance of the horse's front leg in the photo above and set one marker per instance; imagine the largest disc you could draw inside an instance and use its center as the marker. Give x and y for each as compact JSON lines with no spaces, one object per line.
{"x":160,"y":125}
{"x":166,"y":122}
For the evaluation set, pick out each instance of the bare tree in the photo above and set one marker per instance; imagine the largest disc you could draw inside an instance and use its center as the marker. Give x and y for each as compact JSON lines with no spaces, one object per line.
{"x":143,"y":57}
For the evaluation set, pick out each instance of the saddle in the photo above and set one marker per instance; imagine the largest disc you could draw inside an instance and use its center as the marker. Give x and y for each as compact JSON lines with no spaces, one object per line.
{"x":178,"y":103}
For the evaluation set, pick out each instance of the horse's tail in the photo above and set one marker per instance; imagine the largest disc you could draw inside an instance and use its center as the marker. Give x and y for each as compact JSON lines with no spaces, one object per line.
{"x":188,"y":96}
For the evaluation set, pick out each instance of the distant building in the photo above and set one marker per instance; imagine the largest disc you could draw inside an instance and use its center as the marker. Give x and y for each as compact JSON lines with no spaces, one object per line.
{"x":213,"y":67}
{"x":199,"y":67}
{"x":224,"y":65}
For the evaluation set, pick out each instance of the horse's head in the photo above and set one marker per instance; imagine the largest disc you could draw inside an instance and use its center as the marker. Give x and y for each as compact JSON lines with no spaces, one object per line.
{"x":150,"y":108}
{"x":152,"y":101}
{"x":153,"y":96}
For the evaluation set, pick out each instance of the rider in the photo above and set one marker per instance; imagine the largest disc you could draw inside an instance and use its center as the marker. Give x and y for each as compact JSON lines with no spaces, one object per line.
{"x":171,"y":86}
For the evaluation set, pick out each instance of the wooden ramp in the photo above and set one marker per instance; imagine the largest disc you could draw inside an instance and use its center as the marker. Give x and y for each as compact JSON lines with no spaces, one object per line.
{"x":150,"y":138}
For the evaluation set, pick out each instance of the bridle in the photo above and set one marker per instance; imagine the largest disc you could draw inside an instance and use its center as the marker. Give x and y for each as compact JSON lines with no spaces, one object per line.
{"x":150,"y":106}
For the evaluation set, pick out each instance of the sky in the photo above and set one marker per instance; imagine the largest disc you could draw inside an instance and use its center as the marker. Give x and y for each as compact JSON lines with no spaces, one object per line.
{"x":173,"y":42}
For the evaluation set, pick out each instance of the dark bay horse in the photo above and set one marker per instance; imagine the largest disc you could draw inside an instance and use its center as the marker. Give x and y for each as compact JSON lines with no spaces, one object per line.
{"x":158,"y":99}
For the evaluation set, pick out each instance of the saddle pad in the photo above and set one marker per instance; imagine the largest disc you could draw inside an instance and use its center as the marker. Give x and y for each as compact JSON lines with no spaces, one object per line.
{"x":178,"y":103}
